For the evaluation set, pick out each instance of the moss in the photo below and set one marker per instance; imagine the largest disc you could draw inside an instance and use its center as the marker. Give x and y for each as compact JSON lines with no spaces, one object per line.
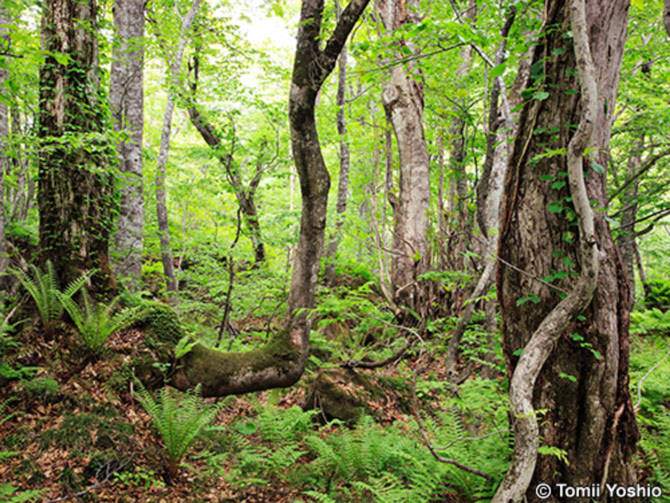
{"x":214,"y":369}
{"x":161,"y":325}
{"x":339,"y":394}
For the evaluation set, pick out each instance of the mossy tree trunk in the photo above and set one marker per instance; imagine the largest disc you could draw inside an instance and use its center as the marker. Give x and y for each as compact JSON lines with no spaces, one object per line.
{"x":281,"y":362}
{"x":75,"y":193}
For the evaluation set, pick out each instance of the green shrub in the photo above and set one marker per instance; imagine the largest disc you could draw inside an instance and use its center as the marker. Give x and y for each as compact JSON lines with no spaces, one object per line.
{"x":179,"y":420}
{"x":657,"y":295}
{"x":96,"y":321}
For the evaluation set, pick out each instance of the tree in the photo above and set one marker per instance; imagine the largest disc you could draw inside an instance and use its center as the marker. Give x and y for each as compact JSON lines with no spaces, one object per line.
{"x":564,"y":295}
{"x":127,"y":102}
{"x":174,"y":63}
{"x":75,"y":193}
{"x":281,"y":362}
{"x":403,"y":102}
{"x":4,"y":135}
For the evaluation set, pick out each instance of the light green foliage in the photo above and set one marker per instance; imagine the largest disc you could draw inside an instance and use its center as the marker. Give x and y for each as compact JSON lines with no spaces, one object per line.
{"x":178,"y":419}
{"x":653,"y":416}
{"x":96,"y":321}
{"x":43,"y":287}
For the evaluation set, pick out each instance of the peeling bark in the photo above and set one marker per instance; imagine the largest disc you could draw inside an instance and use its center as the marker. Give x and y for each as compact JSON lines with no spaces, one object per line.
{"x":281,"y":362}
{"x":127,"y":103}
{"x":541,"y":239}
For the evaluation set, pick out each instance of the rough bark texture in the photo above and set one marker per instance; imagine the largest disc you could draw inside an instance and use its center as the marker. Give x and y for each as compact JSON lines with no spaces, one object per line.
{"x":127,"y":102}
{"x":345,"y":161}
{"x":666,"y":16}
{"x":75,"y":185}
{"x":591,"y":418}
{"x":402,"y":97}
{"x":281,"y":362}
{"x":4,"y":134}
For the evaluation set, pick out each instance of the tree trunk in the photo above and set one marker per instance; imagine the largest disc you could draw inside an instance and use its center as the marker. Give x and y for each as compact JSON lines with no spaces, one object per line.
{"x":629,"y":202}
{"x":403,"y":102}
{"x":489,"y":193}
{"x":580,"y":326}
{"x":75,"y":185}
{"x":161,"y":200}
{"x":4,"y":135}
{"x":245,"y":196}
{"x":127,"y":103}
{"x":666,"y":16}
{"x":345,"y":156}
{"x":281,"y":362}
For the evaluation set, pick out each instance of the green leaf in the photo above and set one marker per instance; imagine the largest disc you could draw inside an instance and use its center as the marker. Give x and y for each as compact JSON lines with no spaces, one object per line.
{"x":498,"y":70}
{"x":555,"y":207}
{"x":558,"y":185}
{"x":597,"y":167}
{"x":540,"y":95}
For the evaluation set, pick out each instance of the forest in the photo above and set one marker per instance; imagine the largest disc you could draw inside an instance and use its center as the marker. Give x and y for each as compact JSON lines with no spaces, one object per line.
{"x":335,"y":251}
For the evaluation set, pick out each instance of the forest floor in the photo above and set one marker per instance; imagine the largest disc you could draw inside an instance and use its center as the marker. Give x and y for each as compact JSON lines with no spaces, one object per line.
{"x":76,"y":431}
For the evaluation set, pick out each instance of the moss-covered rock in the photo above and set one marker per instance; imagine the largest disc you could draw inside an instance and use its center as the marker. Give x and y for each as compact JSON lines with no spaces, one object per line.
{"x":339,"y":394}
{"x":161,"y":324}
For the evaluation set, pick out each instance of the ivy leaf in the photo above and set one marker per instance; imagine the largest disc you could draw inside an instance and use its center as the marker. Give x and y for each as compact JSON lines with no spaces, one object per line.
{"x":555,"y":207}
{"x":597,"y":167}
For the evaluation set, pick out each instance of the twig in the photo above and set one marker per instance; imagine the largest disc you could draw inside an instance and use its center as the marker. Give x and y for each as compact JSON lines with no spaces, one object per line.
{"x":373,"y":365}
{"x":231,"y":277}
{"x":108,"y":475}
{"x":639,"y":385}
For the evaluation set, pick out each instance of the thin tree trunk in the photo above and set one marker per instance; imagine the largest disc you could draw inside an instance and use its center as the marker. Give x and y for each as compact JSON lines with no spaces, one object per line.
{"x":629,"y":202}
{"x":74,"y":197}
{"x":403,"y":102}
{"x":343,"y":183}
{"x":4,"y":136}
{"x":489,"y":193}
{"x":127,"y":103}
{"x":666,"y":16}
{"x":573,"y":335}
{"x":281,"y":362}
{"x":161,"y":200}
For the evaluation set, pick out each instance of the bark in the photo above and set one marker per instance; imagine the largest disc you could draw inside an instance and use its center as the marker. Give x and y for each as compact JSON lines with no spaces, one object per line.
{"x":21,"y":201}
{"x":281,"y":362}
{"x":4,"y":135}
{"x":459,"y":190}
{"x":127,"y":103}
{"x":75,"y":183}
{"x":161,"y":200}
{"x":626,"y":240}
{"x":245,"y":195}
{"x":402,"y":98}
{"x":666,"y":16}
{"x":589,"y":415}
{"x":345,"y":156}
{"x":489,"y":194}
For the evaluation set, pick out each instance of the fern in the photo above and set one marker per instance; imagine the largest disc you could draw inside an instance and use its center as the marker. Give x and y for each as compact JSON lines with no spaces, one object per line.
{"x":96,"y":321}
{"x":178,"y":421}
{"x":43,"y":288}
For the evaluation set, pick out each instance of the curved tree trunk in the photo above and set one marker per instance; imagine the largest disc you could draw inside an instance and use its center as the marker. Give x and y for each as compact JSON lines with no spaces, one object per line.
{"x":574,"y":337}
{"x":281,"y":362}
{"x":75,"y":185}
{"x":127,"y":102}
